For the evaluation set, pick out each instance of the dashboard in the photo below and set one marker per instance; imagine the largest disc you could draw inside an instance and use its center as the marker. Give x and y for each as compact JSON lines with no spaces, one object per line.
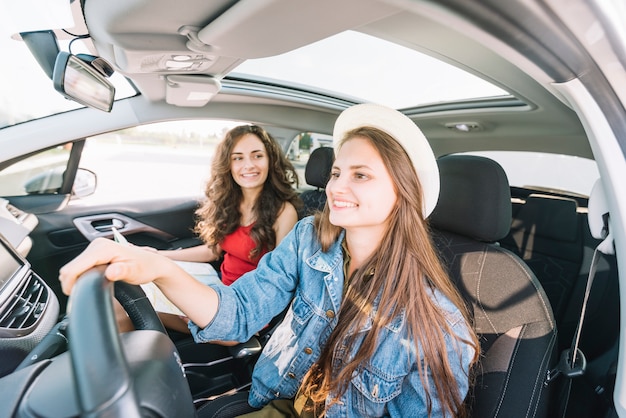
{"x":29,"y":309}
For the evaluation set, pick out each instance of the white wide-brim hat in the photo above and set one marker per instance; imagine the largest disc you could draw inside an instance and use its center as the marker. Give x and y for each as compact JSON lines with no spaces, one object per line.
{"x":403,"y":130}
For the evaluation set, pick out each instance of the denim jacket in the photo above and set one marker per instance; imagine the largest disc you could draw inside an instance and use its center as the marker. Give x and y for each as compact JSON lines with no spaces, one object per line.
{"x":297,"y":272}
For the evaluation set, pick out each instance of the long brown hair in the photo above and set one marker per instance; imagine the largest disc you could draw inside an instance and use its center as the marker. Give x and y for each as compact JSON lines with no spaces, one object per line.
{"x":405,"y":269}
{"x":220,"y":214}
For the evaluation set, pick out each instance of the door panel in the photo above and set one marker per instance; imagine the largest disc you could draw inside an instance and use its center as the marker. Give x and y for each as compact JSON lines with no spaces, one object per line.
{"x":62,"y":235}
{"x":146,"y":182}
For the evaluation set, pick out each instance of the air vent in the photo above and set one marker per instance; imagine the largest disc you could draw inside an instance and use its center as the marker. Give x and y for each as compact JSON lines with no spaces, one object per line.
{"x":26,"y":306}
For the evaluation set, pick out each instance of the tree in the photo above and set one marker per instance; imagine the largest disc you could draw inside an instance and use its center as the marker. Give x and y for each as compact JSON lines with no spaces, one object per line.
{"x":305,"y":141}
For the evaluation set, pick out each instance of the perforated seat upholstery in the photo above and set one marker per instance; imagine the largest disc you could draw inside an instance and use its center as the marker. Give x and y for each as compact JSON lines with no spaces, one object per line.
{"x":316,"y":174}
{"x":511,"y":312}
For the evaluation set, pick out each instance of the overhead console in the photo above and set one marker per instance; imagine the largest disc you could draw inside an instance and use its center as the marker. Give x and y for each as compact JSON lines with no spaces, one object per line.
{"x":188,"y":51}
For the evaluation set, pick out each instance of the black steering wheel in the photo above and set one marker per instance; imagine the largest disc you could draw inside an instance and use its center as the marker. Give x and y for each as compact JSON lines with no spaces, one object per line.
{"x":107,"y":374}
{"x":138,"y":307}
{"x":134,"y":301}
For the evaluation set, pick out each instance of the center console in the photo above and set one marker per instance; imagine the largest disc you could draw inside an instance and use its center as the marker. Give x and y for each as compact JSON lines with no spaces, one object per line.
{"x":28,"y":308}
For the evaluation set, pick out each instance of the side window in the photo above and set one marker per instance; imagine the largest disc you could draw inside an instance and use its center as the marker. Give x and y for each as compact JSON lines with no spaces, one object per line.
{"x":301,"y":148}
{"x":37,"y":174}
{"x":166,"y":159}
{"x":536,"y":170}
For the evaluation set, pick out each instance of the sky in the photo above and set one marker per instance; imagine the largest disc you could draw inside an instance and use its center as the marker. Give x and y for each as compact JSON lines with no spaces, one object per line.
{"x":370,"y":68}
{"x":23,"y":84}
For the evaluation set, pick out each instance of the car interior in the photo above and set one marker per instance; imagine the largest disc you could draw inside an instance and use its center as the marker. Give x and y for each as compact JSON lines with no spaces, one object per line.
{"x":536,"y":264}
{"x":511,"y":311}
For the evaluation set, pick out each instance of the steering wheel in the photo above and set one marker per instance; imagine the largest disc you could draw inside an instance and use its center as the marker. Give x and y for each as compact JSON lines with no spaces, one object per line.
{"x":138,"y":307}
{"x":107,"y":374}
{"x":133,"y":300}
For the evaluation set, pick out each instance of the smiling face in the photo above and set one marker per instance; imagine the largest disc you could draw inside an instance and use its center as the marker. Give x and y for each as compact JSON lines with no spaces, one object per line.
{"x":249,"y":163}
{"x":360,"y":192}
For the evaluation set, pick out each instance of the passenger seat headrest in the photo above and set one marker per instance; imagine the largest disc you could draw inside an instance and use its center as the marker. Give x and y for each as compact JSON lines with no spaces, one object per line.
{"x":317,"y":171}
{"x":474,"y":199}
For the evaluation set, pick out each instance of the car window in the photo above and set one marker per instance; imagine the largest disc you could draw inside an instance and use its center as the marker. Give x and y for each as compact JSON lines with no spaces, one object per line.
{"x":27,"y":76}
{"x":438,"y":82}
{"x":301,"y":148}
{"x":37,"y":174}
{"x":544,"y":171}
{"x":167,"y":159}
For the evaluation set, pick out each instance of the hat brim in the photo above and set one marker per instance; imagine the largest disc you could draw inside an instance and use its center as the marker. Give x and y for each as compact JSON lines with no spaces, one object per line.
{"x":403,"y":130}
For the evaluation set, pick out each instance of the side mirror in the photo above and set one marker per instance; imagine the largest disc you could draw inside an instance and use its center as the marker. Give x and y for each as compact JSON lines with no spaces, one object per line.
{"x":51,"y":180}
{"x":84,"y":183}
{"x":82,"y":82}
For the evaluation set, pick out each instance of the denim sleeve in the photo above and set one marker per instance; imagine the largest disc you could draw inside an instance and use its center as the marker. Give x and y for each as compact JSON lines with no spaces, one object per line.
{"x":255,"y":298}
{"x":413,"y":395}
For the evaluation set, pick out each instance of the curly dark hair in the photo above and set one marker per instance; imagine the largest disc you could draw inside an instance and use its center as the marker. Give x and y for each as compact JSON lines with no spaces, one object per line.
{"x":220,"y":214}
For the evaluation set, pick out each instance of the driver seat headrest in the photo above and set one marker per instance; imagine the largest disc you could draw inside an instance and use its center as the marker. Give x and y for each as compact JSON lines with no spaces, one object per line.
{"x":317,"y":170}
{"x":474,"y":198}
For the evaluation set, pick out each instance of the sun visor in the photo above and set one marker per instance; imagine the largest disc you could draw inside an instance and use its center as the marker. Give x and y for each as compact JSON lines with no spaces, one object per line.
{"x":271,"y":21}
{"x":190,"y":90}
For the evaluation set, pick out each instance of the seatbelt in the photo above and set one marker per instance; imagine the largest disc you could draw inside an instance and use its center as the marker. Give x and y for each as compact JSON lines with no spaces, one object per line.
{"x":572,"y":362}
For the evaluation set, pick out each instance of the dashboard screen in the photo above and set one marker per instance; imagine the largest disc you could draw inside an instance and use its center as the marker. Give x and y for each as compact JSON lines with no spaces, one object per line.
{"x":9,"y":263}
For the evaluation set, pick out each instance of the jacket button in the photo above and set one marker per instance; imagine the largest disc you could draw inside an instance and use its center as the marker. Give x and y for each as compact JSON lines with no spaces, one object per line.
{"x":308,"y":350}
{"x":330,"y":314}
{"x":291,"y":375}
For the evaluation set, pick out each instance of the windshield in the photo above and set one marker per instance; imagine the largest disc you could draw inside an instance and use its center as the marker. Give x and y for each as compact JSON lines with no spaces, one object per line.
{"x":371,"y":69}
{"x":26,"y":92}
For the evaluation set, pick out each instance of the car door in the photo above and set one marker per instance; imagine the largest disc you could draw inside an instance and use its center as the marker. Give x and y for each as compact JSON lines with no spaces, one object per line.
{"x":145,"y":181}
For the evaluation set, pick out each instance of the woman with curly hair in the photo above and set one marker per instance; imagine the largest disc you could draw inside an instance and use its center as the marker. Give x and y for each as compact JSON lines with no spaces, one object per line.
{"x":251,"y":203}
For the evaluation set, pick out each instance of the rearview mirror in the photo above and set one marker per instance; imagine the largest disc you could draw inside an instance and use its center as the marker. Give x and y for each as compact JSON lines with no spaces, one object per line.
{"x":78,"y":80}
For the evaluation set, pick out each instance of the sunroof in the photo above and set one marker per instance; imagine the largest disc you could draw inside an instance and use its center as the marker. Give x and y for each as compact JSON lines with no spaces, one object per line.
{"x":370,"y":69}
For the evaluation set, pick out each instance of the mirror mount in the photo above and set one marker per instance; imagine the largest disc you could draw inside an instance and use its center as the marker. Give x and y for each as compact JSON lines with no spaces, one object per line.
{"x":98,"y":63}
{"x":84,"y":80}
{"x":44,"y":47}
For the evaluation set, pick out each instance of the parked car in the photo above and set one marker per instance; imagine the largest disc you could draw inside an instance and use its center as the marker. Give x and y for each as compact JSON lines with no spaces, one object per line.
{"x":110,"y":112}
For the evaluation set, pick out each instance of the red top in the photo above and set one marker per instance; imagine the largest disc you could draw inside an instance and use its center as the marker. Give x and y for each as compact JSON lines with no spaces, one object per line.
{"x":237,"y":247}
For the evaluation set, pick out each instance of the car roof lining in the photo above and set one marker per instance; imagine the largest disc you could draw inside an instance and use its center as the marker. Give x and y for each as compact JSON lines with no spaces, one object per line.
{"x":470,"y":48}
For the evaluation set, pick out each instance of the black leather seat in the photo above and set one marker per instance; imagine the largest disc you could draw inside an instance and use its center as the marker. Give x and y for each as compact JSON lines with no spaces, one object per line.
{"x":511,"y":312}
{"x":316,"y":174}
{"x":547,"y":234}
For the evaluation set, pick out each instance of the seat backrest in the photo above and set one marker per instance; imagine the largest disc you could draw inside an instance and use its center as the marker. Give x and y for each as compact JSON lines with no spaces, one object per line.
{"x":547,"y":234}
{"x":511,"y":312}
{"x":316,"y":174}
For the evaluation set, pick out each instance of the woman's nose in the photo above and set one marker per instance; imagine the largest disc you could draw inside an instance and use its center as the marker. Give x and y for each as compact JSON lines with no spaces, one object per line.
{"x":337,"y":184}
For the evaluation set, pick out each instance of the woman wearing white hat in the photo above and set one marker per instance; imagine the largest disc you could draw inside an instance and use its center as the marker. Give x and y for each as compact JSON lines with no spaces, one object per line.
{"x":375,"y":327}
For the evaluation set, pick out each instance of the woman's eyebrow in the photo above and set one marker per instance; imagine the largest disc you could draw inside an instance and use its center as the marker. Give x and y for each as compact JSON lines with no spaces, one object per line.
{"x":251,"y":152}
{"x":354,"y":167}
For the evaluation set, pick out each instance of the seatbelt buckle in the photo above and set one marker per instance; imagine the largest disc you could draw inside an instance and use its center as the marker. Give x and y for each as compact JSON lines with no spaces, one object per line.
{"x":567,"y":367}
